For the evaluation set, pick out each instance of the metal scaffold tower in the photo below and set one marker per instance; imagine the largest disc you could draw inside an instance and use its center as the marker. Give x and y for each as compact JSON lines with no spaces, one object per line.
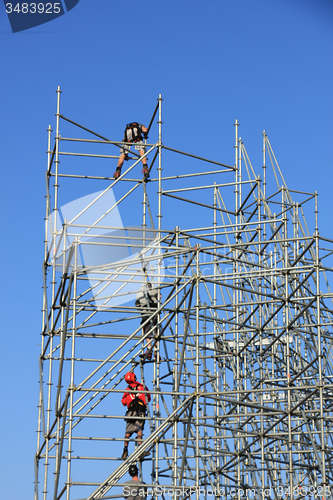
{"x":241,"y":370}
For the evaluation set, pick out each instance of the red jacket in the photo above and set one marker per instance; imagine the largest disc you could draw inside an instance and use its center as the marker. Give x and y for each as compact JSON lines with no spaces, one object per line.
{"x":129,"y":396}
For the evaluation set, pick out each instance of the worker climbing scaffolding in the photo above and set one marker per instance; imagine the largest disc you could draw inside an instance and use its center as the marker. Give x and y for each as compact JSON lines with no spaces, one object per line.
{"x":134,"y":489}
{"x":134,"y":133}
{"x":136,"y":403}
{"x":147,"y":303}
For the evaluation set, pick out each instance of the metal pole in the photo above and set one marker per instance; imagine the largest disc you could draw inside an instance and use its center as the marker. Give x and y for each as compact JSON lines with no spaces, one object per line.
{"x":320,"y":353}
{"x":197,"y":364}
{"x":71,"y":387}
{"x":159,"y":162}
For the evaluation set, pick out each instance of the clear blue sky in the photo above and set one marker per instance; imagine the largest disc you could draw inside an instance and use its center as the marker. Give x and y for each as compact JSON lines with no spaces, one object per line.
{"x":266,"y":63}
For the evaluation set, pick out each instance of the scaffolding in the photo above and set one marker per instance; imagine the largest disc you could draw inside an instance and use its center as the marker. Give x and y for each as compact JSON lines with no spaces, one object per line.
{"x":241,"y":372}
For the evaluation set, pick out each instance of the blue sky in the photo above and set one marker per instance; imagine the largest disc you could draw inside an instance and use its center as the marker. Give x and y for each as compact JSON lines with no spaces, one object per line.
{"x":266,"y":63}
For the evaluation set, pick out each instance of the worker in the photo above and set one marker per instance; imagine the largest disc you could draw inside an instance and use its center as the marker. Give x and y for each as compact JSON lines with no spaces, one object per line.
{"x":136,"y":403}
{"x":134,"y":133}
{"x":134,"y":489}
{"x":147,"y":303}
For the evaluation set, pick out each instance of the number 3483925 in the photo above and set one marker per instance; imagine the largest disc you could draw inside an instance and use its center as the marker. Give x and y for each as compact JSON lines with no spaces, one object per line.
{"x":33,"y":8}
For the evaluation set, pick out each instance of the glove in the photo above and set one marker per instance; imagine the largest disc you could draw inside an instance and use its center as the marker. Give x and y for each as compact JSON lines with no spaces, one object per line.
{"x":145,"y":135}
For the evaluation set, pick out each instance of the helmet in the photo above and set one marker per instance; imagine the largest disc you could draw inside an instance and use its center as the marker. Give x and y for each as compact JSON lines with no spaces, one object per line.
{"x":133,"y":470}
{"x":130,"y":377}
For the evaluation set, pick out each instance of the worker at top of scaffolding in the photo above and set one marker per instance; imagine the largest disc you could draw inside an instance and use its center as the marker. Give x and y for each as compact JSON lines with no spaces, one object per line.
{"x":134,"y":489}
{"x":136,"y":403}
{"x":134,"y":133}
{"x":147,"y":302}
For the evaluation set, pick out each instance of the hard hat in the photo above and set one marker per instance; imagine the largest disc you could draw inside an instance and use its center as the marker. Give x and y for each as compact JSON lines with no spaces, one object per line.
{"x":130,"y":377}
{"x":133,"y":470}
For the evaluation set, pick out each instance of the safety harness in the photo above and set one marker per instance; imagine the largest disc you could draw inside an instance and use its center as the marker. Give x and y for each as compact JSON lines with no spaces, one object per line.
{"x":136,"y":132}
{"x":136,"y":407}
{"x":136,"y":404}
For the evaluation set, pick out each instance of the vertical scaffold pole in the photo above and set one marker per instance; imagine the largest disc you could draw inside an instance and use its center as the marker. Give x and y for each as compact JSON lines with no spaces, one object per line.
{"x":235,"y":292}
{"x":197,"y":381}
{"x":159,"y":164}
{"x":236,"y":124}
{"x":286,"y":321}
{"x":175,"y":367}
{"x":71,"y":388}
{"x":264,"y":182}
{"x":320,"y":353}
{"x":41,"y":416}
{"x":156,"y":366}
{"x":264,"y":163}
{"x":53,"y":257}
{"x":261,"y":372}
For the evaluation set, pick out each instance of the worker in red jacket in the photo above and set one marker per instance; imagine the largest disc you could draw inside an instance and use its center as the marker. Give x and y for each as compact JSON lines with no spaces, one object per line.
{"x":136,"y":403}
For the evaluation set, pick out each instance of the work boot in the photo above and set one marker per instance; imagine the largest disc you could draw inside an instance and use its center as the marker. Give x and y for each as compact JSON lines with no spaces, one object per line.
{"x":147,"y":355}
{"x":145,"y":171}
{"x":125,"y":453}
{"x":144,"y":455}
{"x":117,"y":173}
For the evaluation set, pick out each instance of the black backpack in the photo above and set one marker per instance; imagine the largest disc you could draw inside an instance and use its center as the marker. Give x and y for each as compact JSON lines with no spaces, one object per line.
{"x":136,"y":132}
